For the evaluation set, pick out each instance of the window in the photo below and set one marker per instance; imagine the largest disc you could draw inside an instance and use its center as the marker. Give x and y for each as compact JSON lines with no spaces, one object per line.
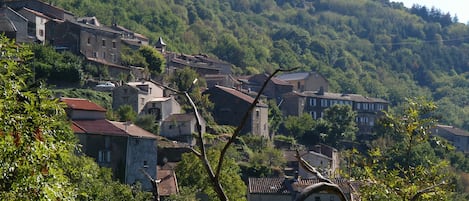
{"x":358,"y":106}
{"x":89,"y":40}
{"x":104,"y":42}
{"x":113,"y":44}
{"x":41,"y":32}
{"x":104,"y":55}
{"x":257,"y":113}
{"x":95,"y":54}
{"x":171,"y":126}
{"x":107,"y":142}
{"x":145,"y":164}
{"x":104,"y":156}
{"x":142,"y":101}
{"x":312,"y":102}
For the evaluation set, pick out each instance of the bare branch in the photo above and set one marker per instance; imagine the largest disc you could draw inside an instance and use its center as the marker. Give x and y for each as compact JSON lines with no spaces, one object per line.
{"x":311,"y":169}
{"x":325,"y":184}
{"x":244,"y":120}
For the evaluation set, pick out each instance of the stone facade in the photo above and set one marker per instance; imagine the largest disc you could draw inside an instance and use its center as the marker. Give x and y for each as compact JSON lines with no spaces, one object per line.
{"x":314,"y":103}
{"x":136,"y":94}
{"x":230,"y":107}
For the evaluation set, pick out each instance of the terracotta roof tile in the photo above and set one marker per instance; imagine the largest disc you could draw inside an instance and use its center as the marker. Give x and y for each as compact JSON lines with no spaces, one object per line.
{"x":98,"y":127}
{"x":168,"y":184}
{"x":82,"y":104}
{"x":279,"y":185}
{"x":133,"y":130}
{"x":453,"y":130}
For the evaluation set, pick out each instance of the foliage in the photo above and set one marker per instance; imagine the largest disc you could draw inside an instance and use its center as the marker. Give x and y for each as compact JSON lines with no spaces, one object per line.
{"x":192,"y":174}
{"x":185,"y":194}
{"x":95,"y":183}
{"x":55,"y":67}
{"x":275,"y":117}
{"x":154,"y":60}
{"x":188,"y":80}
{"x":404,"y":168}
{"x":34,"y":136}
{"x":101,"y":98}
{"x":378,"y":48}
{"x":38,"y":155}
{"x":126,"y":113}
{"x":339,"y":121}
{"x":147,"y":122}
{"x":297,"y":126}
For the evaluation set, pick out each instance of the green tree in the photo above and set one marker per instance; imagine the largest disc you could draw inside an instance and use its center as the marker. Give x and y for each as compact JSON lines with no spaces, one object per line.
{"x":405,"y":169}
{"x":147,"y":122}
{"x":275,"y":117}
{"x":154,"y":59}
{"x":33,"y":134}
{"x":297,"y":126}
{"x":126,"y":113}
{"x":341,"y":122}
{"x":191,"y":173}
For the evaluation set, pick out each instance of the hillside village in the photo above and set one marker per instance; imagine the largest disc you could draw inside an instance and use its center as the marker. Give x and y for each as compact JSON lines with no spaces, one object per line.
{"x":131,"y":152}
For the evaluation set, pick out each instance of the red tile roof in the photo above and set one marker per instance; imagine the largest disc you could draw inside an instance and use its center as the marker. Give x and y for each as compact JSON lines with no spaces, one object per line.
{"x":168,"y":184}
{"x":98,"y":127}
{"x":133,"y":130}
{"x":82,"y":104}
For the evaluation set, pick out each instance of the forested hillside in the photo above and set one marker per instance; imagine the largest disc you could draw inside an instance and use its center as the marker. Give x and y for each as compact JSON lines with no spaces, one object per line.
{"x":372,"y":47}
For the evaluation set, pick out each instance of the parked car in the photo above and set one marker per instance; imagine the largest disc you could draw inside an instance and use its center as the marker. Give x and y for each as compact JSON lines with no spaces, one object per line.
{"x":106,"y":86}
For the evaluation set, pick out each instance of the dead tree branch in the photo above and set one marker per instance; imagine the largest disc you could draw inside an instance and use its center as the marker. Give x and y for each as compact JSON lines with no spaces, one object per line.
{"x":324,"y":184}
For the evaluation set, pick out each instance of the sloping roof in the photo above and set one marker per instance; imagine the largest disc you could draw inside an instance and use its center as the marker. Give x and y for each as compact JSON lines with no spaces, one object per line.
{"x":37,"y":13}
{"x":133,"y":130}
{"x":290,"y":156}
{"x":180,"y":117}
{"x":168,"y":183}
{"x":236,"y":93}
{"x":279,"y":185}
{"x":340,"y":96}
{"x":274,"y":80}
{"x":160,"y":43}
{"x":82,"y":104}
{"x":97,"y":127}
{"x":6,"y":25}
{"x":293,"y":76}
{"x":453,"y":130}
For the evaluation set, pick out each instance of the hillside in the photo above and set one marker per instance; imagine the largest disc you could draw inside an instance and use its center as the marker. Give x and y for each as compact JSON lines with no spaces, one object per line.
{"x":371,"y":47}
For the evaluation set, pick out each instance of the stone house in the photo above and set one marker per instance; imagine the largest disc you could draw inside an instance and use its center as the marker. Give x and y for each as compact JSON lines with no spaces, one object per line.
{"x":181,"y":127}
{"x":230,"y":105}
{"x":42,"y":7}
{"x":162,"y":107}
{"x":305,"y":81}
{"x":324,"y":158}
{"x":285,"y":189}
{"x":36,"y":23}
{"x":14,"y":25}
{"x":456,"y":136}
{"x":315,"y":102}
{"x":125,"y":148}
{"x":137,"y":95}
{"x":86,"y":37}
